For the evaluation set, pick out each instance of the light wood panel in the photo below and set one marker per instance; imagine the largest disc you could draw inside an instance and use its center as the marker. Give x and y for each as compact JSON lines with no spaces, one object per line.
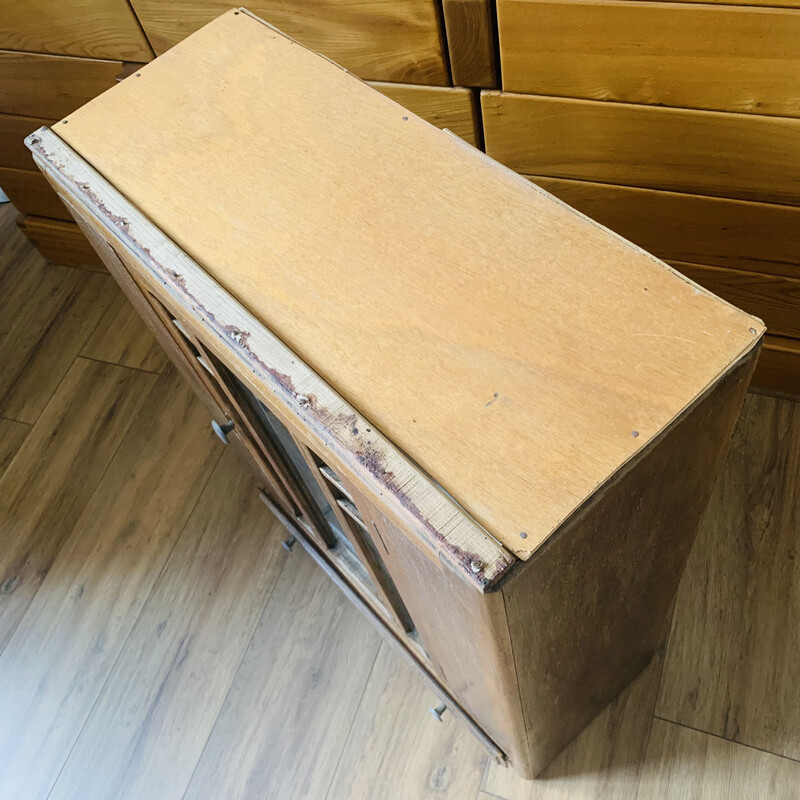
{"x":89,"y":28}
{"x":50,"y":87}
{"x":742,"y":156}
{"x":50,"y":481}
{"x":778,"y":368}
{"x":603,"y":763}
{"x":269,"y":738}
{"x":60,"y":242}
{"x":728,"y":58}
{"x":774,"y":299}
{"x":759,"y":237}
{"x":452,"y":108}
{"x":121,"y":337}
{"x":396,"y":749}
{"x":470,"y":26}
{"x":147,"y":729}
{"x":730,"y":665}
{"x":438,"y":356}
{"x":31,"y":194}
{"x":38,"y":350}
{"x":13,"y":131}
{"x":74,"y":630}
{"x":12,"y":435}
{"x":386,"y":40}
{"x":681,"y":763}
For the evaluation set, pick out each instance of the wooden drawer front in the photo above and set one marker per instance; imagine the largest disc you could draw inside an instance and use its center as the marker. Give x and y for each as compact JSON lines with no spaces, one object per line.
{"x":701,"y":152}
{"x":13,"y":131}
{"x":774,"y":299}
{"x":778,"y":368}
{"x":445,"y":107}
{"x":471,"y":32}
{"x":51,"y":86}
{"x":760,"y":237}
{"x":31,"y":193}
{"x":97,"y":29}
{"x":60,"y":242}
{"x":388,"y":40}
{"x":729,"y":58}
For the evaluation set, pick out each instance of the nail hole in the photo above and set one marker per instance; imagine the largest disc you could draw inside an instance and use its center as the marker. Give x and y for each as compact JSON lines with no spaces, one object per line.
{"x":138,"y":74}
{"x":405,"y":119}
{"x":64,"y":121}
{"x":634,"y":434}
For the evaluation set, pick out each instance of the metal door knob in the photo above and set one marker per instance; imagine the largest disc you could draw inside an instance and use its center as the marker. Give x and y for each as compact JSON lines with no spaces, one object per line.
{"x":438,"y":711}
{"x":223,"y":430}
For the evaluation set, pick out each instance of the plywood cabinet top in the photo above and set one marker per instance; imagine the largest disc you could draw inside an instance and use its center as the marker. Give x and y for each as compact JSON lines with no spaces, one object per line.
{"x":515,"y":350}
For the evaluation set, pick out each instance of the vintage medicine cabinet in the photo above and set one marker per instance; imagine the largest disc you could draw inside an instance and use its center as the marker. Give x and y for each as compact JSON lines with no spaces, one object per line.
{"x":494,"y":423}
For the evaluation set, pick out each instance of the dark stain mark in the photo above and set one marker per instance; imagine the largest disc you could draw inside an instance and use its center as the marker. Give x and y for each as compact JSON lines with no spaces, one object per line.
{"x":9,"y":584}
{"x":494,"y":397}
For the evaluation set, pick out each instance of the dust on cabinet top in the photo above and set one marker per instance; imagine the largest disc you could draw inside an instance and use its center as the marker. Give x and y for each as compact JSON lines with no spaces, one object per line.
{"x":517,"y":351}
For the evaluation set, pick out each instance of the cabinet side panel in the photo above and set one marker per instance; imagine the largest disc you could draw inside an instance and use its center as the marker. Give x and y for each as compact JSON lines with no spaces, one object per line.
{"x":589,"y":611}
{"x":464,"y":633}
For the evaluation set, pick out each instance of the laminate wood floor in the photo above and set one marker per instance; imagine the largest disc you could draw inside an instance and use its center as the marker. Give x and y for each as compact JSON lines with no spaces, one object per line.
{"x":157,"y":643}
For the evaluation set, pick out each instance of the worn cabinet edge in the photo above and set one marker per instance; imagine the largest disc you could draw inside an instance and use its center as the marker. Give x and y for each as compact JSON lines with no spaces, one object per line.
{"x":265,"y":362}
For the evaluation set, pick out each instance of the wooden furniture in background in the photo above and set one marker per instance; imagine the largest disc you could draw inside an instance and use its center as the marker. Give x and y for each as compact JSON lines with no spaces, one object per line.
{"x":513,"y":518}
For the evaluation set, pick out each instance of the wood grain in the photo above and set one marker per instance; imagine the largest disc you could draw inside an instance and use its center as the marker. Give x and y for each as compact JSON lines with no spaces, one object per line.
{"x":603,"y":763}
{"x":471,"y":30}
{"x":13,"y":131}
{"x":88,"y":28}
{"x":758,"y":237}
{"x":50,"y":87}
{"x":12,"y":435}
{"x":38,"y":350}
{"x":147,"y":729}
{"x":121,"y":337}
{"x":268,"y":737}
{"x":60,"y":242}
{"x":49,"y":483}
{"x":606,"y":583}
{"x":733,"y":642}
{"x":384,"y":40}
{"x":774,"y":299}
{"x":742,"y":156}
{"x":727,"y":58}
{"x":452,"y":108}
{"x":395,"y":748}
{"x":31,"y":194}
{"x":682,"y":763}
{"x":74,"y":630}
{"x":457,"y":295}
{"x":778,"y":368}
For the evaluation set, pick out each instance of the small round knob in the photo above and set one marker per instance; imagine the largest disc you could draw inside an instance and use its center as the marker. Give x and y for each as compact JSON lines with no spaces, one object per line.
{"x":223,"y":430}
{"x":438,"y":711}
{"x":288,"y":544}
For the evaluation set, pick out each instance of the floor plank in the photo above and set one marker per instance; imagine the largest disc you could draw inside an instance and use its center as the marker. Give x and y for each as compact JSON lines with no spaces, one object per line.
{"x":12,"y":435}
{"x":283,"y":726}
{"x":147,"y":730}
{"x":56,"y":471}
{"x":72,"y":633}
{"x":734,"y":650}
{"x":60,"y":340}
{"x":122,"y":338}
{"x":683,"y":764}
{"x":602,"y":763}
{"x":397,"y":750}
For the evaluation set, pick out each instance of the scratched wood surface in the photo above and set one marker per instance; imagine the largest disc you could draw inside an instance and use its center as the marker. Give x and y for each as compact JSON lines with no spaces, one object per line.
{"x":457,"y":294}
{"x":357,"y":720}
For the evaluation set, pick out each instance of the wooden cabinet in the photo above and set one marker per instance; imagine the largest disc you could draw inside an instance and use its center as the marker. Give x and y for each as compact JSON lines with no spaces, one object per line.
{"x":495,"y":432}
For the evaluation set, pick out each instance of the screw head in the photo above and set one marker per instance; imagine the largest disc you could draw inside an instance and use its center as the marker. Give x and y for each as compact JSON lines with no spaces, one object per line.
{"x":476,"y":566}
